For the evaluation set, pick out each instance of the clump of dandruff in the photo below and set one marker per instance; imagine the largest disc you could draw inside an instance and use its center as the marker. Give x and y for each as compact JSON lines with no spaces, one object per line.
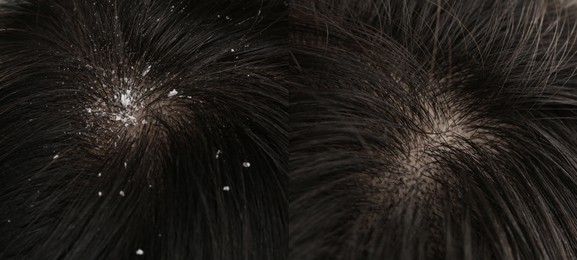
{"x":172,"y":93}
{"x":127,"y":113}
{"x":120,"y":108}
{"x":126,"y":98}
{"x":122,"y":103}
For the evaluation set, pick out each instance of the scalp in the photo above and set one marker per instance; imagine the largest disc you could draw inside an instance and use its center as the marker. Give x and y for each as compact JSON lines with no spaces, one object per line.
{"x":430,"y":139}
{"x":152,"y":125}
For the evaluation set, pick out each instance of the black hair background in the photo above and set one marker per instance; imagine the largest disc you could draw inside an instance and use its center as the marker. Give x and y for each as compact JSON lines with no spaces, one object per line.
{"x":369,"y":75}
{"x":81,"y":179}
{"x":161,"y":183}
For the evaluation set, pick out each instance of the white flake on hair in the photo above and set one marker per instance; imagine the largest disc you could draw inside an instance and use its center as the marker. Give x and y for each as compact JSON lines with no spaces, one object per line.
{"x":55,"y":157}
{"x":99,"y":174}
{"x":126,"y":112}
{"x":139,"y":252}
{"x":99,"y":194}
{"x":226,"y":188}
{"x":231,"y":50}
{"x":218,"y":153}
{"x":126,"y":98}
{"x":246,"y":164}
{"x":148,"y":67}
{"x":128,"y":81}
{"x":172,"y":93}
{"x":121,"y":193}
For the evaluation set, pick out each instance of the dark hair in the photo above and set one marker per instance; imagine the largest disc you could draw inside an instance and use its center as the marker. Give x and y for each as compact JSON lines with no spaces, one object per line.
{"x":152,"y":129}
{"x":158,"y":129}
{"x":433,"y":130}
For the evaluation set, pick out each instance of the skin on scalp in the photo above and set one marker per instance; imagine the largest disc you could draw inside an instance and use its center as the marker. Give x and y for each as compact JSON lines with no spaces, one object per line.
{"x":149,"y":129}
{"x":433,"y":130}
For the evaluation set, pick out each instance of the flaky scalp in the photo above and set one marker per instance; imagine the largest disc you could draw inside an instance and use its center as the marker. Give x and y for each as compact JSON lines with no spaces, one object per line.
{"x":153,"y":128}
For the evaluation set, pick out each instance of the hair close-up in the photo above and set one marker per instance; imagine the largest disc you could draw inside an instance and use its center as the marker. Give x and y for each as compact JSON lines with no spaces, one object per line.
{"x":143,"y":129}
{"x":433,"y":129}
{"x":288,"y":129}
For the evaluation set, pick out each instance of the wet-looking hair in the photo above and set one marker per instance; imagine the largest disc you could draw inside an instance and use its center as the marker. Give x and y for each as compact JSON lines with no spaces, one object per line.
{"x":150,"y":129}
{"x":433,"y":130}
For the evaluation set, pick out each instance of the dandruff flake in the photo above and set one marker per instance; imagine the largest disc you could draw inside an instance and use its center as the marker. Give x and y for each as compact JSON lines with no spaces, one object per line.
{"x":172,"y":93}
{"x":246,"y":164}
{"x":139,"y":252}
{"x":226,"y":188}
{"x":147,"y":69}
{"x":126,"y":98}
